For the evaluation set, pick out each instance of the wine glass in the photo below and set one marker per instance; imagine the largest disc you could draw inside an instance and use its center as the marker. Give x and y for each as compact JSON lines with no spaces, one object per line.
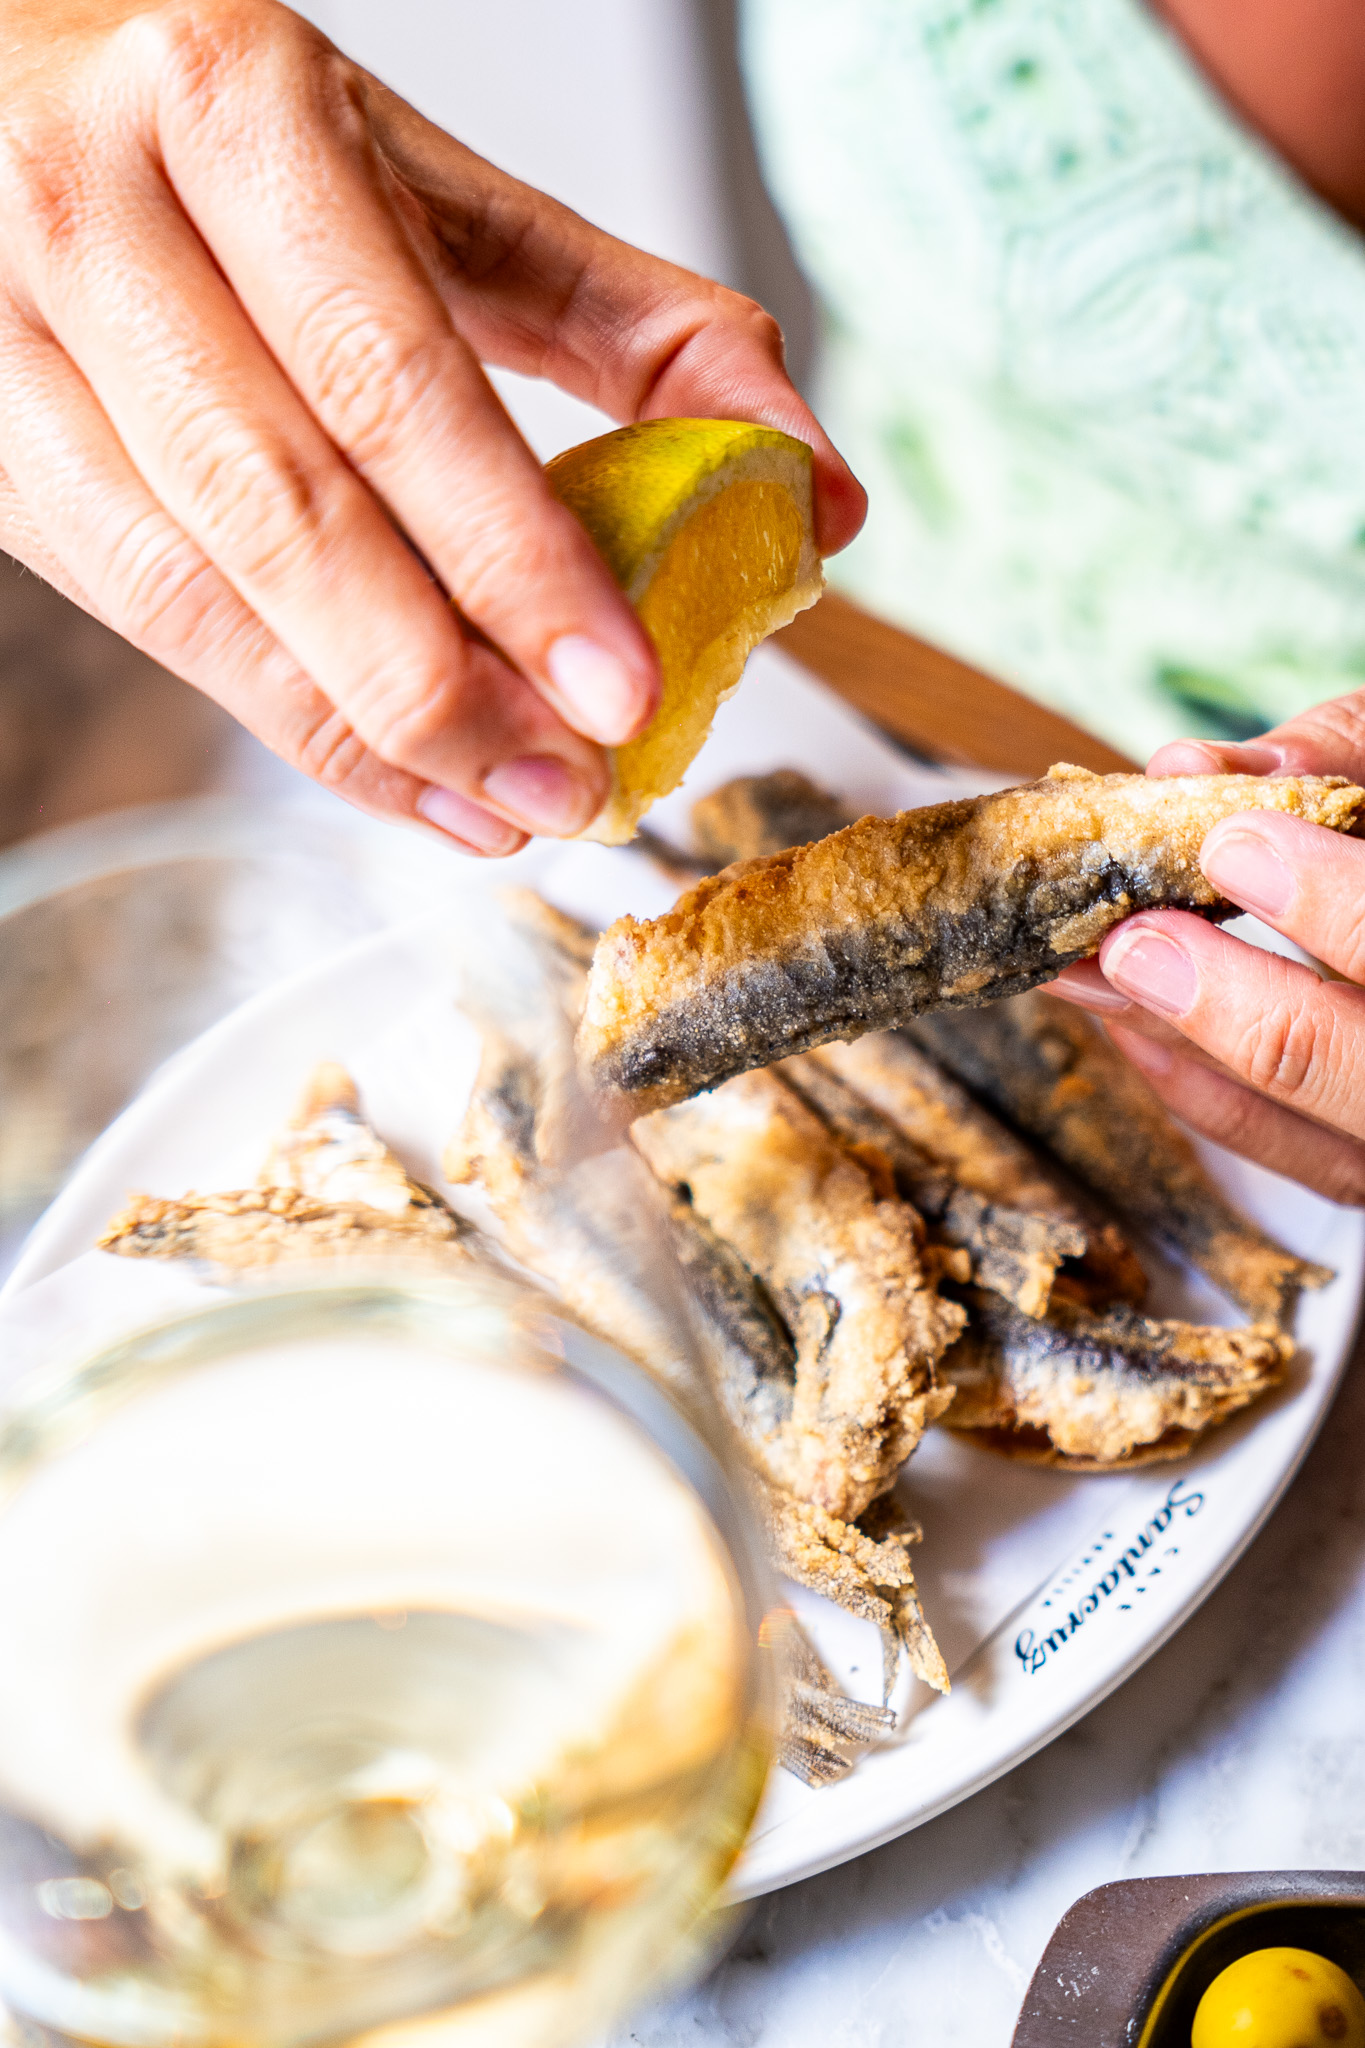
{"x":379,"y":1655}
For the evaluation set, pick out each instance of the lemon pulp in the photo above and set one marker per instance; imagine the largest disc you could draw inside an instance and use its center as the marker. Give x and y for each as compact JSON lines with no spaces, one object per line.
{"x":707,"y":527}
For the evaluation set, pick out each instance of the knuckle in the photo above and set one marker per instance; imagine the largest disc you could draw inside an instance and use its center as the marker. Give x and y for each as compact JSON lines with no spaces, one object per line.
{"x":253,"y":501}
{"x":189,"y":52}
{"x":164,"y":588}
{"x":44,"y":184}
{"x":1343,"y":939}
{"x":332,"y":752}
{"x":1283,"y":1047}
{"x":402,"y":708}
{"x":368,"y":376}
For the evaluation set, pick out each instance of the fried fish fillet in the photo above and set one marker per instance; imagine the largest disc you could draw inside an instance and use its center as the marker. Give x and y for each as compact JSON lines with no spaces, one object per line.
{"x":754,"y":1363}
{"x":843,"y":1268}
{"x":752,"y":1353}
{"x":1054,"y":1072}
{"x":906,"y":1084}
{"x":330,"y":1189}
{"x":755,"y":815}
{"x":1012,"y":1251}
{"x":250,"y":1227}
{"x":957,"y":904}
{"x":1090,"y":1392}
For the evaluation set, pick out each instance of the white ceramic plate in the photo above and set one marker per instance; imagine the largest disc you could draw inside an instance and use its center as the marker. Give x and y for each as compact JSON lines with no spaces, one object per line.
{"x":1045,"y":1590}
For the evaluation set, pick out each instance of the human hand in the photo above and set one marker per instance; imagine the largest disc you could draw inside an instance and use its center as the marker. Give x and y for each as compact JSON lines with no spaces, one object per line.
{"x":1251,"y":1049}
{"x":245,"y":293}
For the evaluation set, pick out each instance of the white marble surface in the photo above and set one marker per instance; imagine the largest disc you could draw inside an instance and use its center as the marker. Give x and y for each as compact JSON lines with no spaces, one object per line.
{"x":1240,"y":1746}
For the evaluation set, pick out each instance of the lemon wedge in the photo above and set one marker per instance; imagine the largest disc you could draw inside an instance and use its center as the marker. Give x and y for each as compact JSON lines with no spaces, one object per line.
{"x":707,"y":527}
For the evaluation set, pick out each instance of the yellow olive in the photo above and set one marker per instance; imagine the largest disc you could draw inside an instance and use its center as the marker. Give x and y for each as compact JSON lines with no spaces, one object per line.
{"x":1280,"y":1998}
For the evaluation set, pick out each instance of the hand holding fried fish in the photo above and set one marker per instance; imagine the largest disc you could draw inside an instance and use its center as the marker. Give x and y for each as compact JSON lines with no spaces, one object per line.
{"x":1253,"y":1050}
{"x":960,"y":903}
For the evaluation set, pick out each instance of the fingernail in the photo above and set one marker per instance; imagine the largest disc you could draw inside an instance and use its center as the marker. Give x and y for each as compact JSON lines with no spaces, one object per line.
{"x":1251,"y":758}
{"x":543,"y":794}
{"x":1089,"y":990}
{"x":1250,"y":872}
{"x":605,"y":698}
{"x":475,"y":828}
{"x":1152,"y":970}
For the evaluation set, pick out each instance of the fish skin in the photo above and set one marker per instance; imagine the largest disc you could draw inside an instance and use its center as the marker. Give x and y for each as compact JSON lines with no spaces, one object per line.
{"x":1055,"y":1073}
{"x":1012,"y":1251}
{"x":497,"y":1151}
{"x":903,"y":1082}
{"x":842,"y":1267}
{"x":756,"y":1376}
{"x":957,"y":904}
{"x":1092,"y":1392}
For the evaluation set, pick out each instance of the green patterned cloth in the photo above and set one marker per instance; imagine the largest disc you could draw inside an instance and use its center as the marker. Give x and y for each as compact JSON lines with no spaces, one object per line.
{"x":1097,"y":355}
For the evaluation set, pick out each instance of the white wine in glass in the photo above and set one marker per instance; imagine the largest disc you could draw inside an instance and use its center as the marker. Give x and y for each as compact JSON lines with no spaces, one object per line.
{"x":378,"y":1660}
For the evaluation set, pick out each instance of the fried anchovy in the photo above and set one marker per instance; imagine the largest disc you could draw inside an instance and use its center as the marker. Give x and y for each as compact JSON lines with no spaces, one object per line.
{"x":250,"y":1227}
{"x":957,"y":904}
{"x":330,"y":1189}
{"x":842,"y":1267}
{"x":1094,"y":1391}
{"x":752,"y":1355}
{"x":903,"y":1082}
{"x":755,"y":815}
{"x":1055,"y":1073}
{"x":1011,"y":1251}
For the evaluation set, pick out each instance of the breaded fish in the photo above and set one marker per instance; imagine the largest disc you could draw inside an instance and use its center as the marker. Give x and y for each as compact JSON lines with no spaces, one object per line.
{"x":329,"y":1189}
{"x":957,"y":904}
{"x":842,"y":1267}
{"x":1054,"y":1072}
{"x":906,"y":1084}
{"x":1091,"y":1392}
{"x":251,"y":1227}
{"x":752,"y":1353}
{"x":754,"y":1363}
{"x":1016,"y":1253}
{"x":867,"y":1574}
{"x":755,"y":815}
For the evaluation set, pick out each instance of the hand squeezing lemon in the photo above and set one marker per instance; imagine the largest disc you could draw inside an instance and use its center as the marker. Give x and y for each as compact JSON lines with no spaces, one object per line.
{"x":707,"y":527}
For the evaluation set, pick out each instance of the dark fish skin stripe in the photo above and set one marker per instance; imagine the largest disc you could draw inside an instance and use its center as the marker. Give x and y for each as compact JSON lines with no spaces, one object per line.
{"x":874,"y":977}
{"x":1054,"y":1073}
{"x":1012,"y":1251}
{"x":759,"y":1357}
{"x":1122,"y":1340}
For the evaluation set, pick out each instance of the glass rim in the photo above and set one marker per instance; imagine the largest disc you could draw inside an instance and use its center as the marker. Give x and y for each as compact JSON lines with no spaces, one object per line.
{"x":57,"y":1404}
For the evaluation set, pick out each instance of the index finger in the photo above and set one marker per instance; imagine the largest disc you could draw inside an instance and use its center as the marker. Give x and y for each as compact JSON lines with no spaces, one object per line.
{"x":535,"y":288}
{"x":309,"y":238}
{"x":1328,"y":739}
{"x":1269,"y":1021}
